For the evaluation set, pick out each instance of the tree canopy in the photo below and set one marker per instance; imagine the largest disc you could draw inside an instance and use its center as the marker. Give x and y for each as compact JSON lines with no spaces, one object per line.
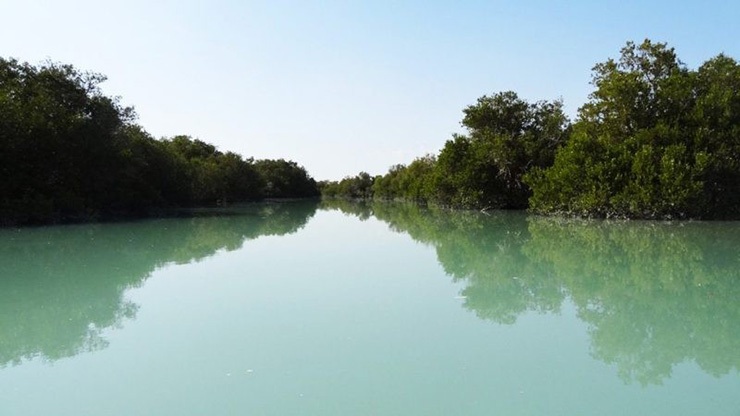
{"x":68,"y":153}
{"x":285,"y":179}
{"x":507,"y":136}
{"x":656,"y":140}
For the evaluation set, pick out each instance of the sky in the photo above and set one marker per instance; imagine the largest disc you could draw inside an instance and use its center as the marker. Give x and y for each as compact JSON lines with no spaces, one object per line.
{"x":346,"y":86}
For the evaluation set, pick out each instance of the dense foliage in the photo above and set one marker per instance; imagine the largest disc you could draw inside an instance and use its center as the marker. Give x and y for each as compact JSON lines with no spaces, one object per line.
{"x":656,"y":140}
{"x":415,"y":182}
{"x":68,"y":152}
{"x":357,"y":187}
{"x":507,"y":137}
{"x":285,"y":179}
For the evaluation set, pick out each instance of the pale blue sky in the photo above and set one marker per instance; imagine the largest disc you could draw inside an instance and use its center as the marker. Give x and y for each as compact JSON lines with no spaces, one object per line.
{"x":345,"y":86}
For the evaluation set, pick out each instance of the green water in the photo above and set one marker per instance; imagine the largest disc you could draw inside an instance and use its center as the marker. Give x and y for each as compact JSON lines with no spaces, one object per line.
{"x":298,"y":309}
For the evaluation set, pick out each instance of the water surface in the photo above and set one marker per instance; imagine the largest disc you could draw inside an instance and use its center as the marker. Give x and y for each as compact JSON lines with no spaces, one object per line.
{"x":370,"y":310}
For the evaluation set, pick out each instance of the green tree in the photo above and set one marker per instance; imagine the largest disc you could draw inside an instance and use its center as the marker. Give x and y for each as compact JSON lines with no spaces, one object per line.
{"x":285,"y":179}
{"x":388,"y":186}
{"x":507,"y":136}
{"x":360,"y":186}
{"x":466,"y":175}
{"x":210,"y":176}
{"x":418,"y":180}
{"x":61,"y":140}
{"x":70,"y":153}
{"x":717,"y":116}
{"x":654,"y":141}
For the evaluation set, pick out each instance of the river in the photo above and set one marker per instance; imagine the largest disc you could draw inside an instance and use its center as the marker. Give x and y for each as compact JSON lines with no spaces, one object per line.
{"x":374,"y":309}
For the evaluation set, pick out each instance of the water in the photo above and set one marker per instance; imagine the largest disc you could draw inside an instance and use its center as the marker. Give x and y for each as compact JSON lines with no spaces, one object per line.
{"x":344,"y":309}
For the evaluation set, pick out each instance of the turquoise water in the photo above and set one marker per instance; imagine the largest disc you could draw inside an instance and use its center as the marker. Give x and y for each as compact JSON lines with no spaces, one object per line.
{"x":341,"y":309}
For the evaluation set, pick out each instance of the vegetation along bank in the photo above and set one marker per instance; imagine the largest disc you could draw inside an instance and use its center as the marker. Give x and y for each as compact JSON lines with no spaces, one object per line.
{"x":70,"y":153}
{"x":656,"y":140}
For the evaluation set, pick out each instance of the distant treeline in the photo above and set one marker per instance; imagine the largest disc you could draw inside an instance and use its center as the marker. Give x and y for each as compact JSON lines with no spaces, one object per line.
{"x":70,"y":153}
{"x":655,"y":140}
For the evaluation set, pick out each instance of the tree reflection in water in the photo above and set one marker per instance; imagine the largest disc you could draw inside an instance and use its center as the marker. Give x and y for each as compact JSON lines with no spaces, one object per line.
{"x":652,"y":294}
{"x":60,"y":287}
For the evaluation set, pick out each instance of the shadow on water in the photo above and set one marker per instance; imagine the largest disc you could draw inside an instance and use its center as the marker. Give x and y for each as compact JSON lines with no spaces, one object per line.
{"x":60,"y":287}
{"x":652,"y":295}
